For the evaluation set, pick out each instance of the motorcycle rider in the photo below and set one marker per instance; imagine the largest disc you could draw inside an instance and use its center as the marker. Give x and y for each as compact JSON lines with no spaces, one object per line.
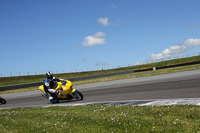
{"x":48,"y":84}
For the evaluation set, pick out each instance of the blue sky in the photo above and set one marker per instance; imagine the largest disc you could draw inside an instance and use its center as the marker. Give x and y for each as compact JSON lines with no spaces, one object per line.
{"x":80,"y":35}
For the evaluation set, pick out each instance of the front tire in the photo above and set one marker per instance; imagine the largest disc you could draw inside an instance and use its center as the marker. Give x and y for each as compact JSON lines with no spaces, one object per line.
{"x":77,"y":95}
{"x":3,"y":101}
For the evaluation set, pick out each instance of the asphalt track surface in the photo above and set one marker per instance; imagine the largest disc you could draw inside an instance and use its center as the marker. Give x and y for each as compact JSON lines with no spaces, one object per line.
{"x":167,"y":86}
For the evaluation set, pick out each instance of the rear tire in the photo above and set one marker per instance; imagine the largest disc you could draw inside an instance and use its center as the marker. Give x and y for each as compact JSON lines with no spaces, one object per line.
{"x":77,"y":95}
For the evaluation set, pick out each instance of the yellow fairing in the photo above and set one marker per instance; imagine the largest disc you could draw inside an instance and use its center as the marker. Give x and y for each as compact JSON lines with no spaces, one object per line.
{"x":67,"y":88}
{"x":41,"y":88}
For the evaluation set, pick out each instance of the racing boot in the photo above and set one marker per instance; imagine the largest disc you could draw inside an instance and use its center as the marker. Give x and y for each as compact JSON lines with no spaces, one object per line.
{"x":53,"y":100}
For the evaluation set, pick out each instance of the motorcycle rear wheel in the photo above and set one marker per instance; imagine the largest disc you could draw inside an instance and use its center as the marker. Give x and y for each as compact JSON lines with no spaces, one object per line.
{"x":77,"y":95}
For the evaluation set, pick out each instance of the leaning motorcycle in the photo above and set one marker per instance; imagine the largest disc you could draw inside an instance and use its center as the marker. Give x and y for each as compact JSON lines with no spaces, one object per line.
{"x":67,"y":93}
{"x":2,"y":100}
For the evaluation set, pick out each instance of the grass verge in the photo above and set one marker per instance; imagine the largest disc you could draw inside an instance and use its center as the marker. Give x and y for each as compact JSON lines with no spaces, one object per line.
{"x":101,"y":118}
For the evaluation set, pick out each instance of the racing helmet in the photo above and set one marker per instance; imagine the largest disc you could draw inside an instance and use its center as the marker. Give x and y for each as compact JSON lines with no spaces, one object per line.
{"x":49,"y":75}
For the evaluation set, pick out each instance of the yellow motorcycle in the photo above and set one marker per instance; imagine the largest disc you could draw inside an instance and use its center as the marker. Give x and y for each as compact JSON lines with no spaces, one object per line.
{"x":67,"y":93}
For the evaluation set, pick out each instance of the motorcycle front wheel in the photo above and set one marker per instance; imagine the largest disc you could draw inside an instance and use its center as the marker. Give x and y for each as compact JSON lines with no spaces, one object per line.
{"x":3,"y":101}
{"x":77,"y":95}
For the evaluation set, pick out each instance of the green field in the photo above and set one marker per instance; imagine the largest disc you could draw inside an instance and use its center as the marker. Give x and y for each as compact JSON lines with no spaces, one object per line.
{"x":101,"y":119}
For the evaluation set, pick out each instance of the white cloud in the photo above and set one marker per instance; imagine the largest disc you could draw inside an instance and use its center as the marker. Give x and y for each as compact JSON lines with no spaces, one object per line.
{"x":99,"y":34}
{"x":103,"y":21}
{"x":102,"y":64}
{"x":178,"y":49}
{"x":168,"y":52}
{"x":192,"y":42}
{"x":98,"y":38}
